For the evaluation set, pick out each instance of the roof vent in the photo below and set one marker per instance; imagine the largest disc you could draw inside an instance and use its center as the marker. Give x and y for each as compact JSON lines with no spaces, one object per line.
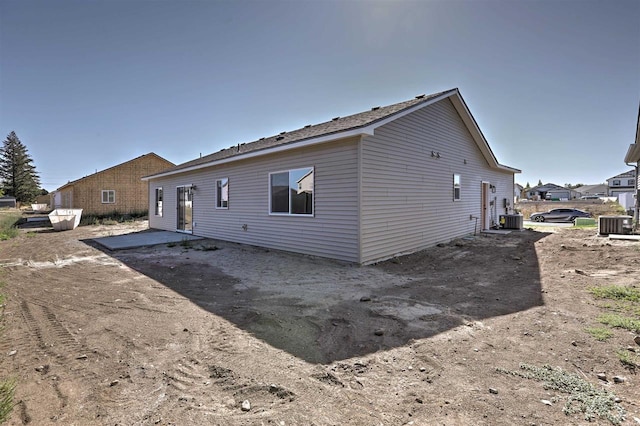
{"x":282,"y":133}
{"x":261,"y":139}
{"x":279,"y":138}
{"x":307,"y":126}
{"x":375,"y":108}
{"x":421,"y":96}
{"x":335,"y":118}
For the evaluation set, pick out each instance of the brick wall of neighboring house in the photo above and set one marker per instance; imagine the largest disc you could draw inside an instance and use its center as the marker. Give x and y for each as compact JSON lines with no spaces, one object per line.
{"x":130,"y":194}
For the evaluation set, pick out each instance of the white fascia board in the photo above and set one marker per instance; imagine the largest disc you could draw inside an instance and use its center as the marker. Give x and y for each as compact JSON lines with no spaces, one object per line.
{"x":278,"y":148}
{"x":476,"y":133}
{"x":407,"y":111}
{"x":633,"y":154}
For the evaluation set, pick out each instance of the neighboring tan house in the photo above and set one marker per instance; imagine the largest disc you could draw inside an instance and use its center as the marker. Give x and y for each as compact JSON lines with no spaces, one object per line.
{"x":633,"y":156}
{"x":363,"y":188}
{"x":118,"y":189}
{"x":624,"y":182}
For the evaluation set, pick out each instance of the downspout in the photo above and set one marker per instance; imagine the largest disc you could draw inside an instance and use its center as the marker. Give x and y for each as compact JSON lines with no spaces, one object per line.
{"x":637,"y":202}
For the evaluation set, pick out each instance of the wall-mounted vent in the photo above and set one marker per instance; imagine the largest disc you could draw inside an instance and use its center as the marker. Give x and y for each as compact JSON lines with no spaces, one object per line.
{"x":614,"y":225}
{"x":511,"y":221}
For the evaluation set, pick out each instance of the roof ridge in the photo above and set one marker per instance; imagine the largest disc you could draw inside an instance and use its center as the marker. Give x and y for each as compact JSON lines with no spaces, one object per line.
{"x":331,"y":126}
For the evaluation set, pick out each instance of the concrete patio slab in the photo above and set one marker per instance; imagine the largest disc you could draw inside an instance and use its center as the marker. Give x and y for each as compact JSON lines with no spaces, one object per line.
{"x":142,"y":239}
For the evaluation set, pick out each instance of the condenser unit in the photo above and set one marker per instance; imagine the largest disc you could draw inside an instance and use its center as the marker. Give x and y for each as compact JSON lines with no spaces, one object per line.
{"x":614,"y":225}
{"x":511,"y":221}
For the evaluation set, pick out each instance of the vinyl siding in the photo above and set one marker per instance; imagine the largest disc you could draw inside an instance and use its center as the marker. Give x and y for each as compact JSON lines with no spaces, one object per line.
{"x":331,"y":232}
{"x":407,"y":195}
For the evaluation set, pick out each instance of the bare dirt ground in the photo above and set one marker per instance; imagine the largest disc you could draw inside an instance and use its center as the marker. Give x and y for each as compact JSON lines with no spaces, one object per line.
{"x":185,"y":334}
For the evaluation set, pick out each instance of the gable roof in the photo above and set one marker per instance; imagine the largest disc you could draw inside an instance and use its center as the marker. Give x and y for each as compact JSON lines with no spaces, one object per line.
{"x":598,"y":188}
{"x":363,"y":123}
{"x":546,"y":187}
{"x":628,"y":174}
{"x":151,"y":154}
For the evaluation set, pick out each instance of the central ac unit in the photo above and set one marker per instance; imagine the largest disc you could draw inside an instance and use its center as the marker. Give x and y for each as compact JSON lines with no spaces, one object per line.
{"x":511,"y":221}
{"x":614,"y":225}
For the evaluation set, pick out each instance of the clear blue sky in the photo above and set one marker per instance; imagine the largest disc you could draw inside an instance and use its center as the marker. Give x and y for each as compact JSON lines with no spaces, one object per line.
{"x":554,"y":85}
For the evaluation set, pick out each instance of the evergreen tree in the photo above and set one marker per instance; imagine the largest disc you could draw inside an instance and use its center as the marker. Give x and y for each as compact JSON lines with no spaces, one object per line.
{"x":18,"y":176}
{"x":539,"y":182}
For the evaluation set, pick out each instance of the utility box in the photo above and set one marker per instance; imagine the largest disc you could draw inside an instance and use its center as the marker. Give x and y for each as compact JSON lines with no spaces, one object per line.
{"x":614,"y":225}
{"x":511,"y":221}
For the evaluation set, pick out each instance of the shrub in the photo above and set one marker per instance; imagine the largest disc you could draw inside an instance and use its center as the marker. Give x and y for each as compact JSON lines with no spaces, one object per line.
{"x":8,"y":222}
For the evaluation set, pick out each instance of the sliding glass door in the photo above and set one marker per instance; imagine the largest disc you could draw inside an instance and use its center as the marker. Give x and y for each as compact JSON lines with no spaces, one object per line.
{"x":185,"y":209}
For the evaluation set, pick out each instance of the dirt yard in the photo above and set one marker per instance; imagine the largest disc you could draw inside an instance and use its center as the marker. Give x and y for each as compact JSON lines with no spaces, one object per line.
{"x":217,"y":333}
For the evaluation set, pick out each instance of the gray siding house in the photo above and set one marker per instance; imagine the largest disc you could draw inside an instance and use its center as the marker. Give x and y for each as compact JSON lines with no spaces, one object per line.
{"x":388,"y":181}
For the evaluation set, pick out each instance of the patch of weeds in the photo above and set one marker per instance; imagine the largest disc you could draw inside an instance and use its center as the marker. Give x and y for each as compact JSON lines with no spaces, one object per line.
{"x":208,"y":248}
{"x":583,"y":397}
{"x":628,"y":359}
{"x":7,"y":390}
{"x":112,"y":218}
{"x":619,"y":321}
{"x":185,"y":243}
{"x":30,"y":234}
{"x":600,"y":333}
{"x":171,"y":244}
{"x":616,"y":292}
{"x":8,"y":223}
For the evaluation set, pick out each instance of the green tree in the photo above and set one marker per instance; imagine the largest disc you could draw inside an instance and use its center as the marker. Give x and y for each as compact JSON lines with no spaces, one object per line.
{"x":18,"y":176}
{"x":539,"y":182}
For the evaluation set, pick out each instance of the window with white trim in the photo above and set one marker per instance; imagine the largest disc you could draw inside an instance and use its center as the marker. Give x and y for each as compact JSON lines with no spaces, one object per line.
{"x":108,"y":196}
{"x":630,"y":182}
{"x":159,"y":196}
{"x":456,"y":188}
{"x":616,"y":183}
{"x":222,"y":193}
{"x":291,"y":192}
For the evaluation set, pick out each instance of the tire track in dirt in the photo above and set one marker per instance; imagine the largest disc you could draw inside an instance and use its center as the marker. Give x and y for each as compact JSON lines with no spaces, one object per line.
{"x":49,"y":346}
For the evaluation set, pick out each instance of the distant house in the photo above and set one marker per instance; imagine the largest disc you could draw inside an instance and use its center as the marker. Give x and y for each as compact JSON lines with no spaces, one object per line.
{"x":362,"y":188}
{"x":624,"y":182}
{"x":540,"y":192}
{"x":116,"y":189}
{"x":633,"y":156}
{"x":8,"y":202}
{"x":601,"y":190}
{"x":517,"y":192}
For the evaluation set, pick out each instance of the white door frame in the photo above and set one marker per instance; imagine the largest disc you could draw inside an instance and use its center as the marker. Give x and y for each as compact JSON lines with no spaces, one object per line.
{"x":485,"y":207}
{"x":178,"y":229}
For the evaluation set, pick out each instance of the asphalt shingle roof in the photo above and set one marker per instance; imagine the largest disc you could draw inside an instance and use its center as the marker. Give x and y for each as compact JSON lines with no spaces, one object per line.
{"x":336,"y":125}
